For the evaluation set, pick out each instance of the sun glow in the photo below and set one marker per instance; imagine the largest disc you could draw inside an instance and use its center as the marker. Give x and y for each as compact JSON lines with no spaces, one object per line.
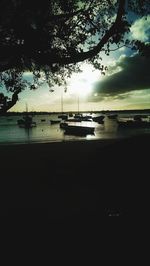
{"x":82,"y":84}
{"x":79,"y":87}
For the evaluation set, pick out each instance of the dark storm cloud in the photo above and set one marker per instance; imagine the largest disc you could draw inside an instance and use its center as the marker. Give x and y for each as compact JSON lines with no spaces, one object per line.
{"x":134,"y":74}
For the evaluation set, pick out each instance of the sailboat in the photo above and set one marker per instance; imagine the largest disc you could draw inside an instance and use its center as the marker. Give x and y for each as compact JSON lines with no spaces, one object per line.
{"x":80,"y":117}
{"x":62,"y":116}
{"x":26,"y":121}
{"x":76,"y":126}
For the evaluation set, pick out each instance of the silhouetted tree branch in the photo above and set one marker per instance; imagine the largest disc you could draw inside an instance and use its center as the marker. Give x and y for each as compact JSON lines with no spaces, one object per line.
{"x":6,"y":104}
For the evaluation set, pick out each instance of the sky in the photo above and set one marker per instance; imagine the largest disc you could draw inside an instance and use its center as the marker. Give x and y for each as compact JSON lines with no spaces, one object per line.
{"x":126,"y":84}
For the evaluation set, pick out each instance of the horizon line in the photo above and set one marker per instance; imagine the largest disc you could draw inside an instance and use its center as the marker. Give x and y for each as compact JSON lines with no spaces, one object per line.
{"x":82,"y":111}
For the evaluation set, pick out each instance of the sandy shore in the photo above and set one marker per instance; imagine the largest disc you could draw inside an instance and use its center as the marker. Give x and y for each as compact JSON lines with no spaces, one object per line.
{"x":75,"y":181}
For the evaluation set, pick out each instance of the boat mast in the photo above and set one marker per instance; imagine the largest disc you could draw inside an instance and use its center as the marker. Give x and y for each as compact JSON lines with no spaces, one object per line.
{"x":62,"y":102}
{"x":26,"y":108}
{"x":78,"y":103}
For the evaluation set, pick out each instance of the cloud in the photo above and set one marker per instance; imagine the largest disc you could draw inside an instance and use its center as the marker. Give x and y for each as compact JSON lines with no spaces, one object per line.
{"x":140,"y":30}
{"x":133,"y":74}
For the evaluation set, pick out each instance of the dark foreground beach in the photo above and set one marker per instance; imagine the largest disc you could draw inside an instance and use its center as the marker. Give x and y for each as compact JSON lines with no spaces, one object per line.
{"x":80,"y":181}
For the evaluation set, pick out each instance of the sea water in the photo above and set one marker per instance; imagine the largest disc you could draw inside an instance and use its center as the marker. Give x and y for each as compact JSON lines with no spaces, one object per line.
{"x":11,"y":133}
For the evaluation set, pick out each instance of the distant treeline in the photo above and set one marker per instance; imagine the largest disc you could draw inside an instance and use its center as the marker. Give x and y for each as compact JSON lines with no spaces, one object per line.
{"x":74,"y":112}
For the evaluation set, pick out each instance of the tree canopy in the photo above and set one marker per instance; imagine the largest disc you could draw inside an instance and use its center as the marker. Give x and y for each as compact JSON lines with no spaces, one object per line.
{"x":50,"y":37}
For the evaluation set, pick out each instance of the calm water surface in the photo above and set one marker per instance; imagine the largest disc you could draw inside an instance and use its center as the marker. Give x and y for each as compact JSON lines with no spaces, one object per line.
{"x":11,"y":133}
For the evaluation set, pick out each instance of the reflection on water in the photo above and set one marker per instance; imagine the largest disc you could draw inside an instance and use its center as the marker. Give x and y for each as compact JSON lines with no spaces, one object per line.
{"x":28,"y":132}
{"x":11,"y":133}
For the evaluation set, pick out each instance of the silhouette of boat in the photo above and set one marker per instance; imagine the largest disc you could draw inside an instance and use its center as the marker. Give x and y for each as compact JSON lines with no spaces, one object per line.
{"x":139,"y":117}
{"x":81,"y":117}
{"x":137,"y":122}
{"x":99,"y":119}
{"x":71,"y":129}
{"x":55,"y":121}
{"x":70,"y":114}
{"x":26,"y":121}
{"x":63,"y":116}
{"x":73,"y":120}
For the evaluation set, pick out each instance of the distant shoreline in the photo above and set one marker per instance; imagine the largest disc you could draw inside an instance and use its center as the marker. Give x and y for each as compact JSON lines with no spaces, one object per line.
{"x":74,"y":112}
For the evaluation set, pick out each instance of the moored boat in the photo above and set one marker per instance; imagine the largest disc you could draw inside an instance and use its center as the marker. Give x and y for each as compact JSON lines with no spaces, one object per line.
{"x":71,"y":129}
{"x":81,"y":117}
{"x":133,"y":124}
{"x":55,"y":121}
{"x":99,"y":119}
{"x":63,"y":116}
{"x":26,"y":122}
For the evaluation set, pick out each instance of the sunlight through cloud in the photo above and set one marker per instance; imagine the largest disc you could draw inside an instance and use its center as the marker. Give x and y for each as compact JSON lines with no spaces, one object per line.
{"x":82,"y":83}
